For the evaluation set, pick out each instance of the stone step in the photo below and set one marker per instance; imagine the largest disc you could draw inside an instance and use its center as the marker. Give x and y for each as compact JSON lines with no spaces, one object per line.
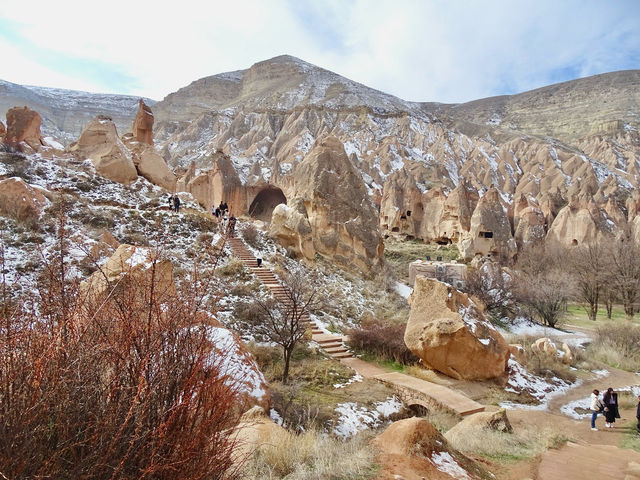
{"x":341,"y":355}
{"x":338,"y":349}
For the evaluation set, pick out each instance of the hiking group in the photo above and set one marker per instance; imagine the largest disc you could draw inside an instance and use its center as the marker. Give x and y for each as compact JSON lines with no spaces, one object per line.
{"x":174,"y":203}
{"x":608,"y":406}
{"x":220,"y":212}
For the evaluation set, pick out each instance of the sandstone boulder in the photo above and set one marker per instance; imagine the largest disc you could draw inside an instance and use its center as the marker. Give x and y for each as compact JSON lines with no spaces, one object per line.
{"x":3,"y":131}
{"x":137,"y":264}
{"x":20,"y":200}
{"x":99,"y":141}
{"x":567,"y":354}
{"x":470,"y":425}
{"x":23,"y":129}
{"x":256,"y":432}
{"x":150,"y":164}
{"x":143,"y":124}
{"x":291,"y":229}
{"x":413,"y":448}
{"x":450,"y":334}
{"x":545,"y":346}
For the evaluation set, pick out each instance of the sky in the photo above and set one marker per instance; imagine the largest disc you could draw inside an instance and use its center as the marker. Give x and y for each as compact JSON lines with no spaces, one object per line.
{"x":419,"y":50}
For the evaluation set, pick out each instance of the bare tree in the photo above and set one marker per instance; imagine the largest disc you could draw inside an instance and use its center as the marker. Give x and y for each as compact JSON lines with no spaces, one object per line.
{"x":492,"y":285}
{"x":542,"y":286}
{"x":589,"y":268}
{"x":285,"y":321}
{"x":625,"y":275}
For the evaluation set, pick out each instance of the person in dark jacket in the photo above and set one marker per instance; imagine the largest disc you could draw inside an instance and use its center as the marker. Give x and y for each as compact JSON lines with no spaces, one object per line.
{"x":176,"y":203}
{"x":638,"y":414}
{"x":610,"y":401}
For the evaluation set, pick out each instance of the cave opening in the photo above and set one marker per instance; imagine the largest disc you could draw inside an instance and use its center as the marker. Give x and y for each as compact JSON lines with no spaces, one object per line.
{"x":265,"y":201}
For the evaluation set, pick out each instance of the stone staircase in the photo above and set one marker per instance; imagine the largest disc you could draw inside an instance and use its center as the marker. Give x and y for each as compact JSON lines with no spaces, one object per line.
{"x":332,"y":344}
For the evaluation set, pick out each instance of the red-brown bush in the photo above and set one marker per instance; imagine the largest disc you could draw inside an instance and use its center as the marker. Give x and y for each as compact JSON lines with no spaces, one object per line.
{"x":122,"y":385}
{"x":383,"y":340}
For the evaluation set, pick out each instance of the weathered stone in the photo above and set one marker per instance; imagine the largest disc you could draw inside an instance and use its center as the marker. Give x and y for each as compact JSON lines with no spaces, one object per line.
{"x":150,"y":164}
{"x":255,"y":433}
{"x":470,"y":425}
{"x":413,"y":448}
{"x":99,"y":141}
{"x":450,"y":334}
{"x":291,"y":229}
{"x":23,"y":129}
{"x":544,"y":345}
{"x":143,"y":124}
{"x":20,"y":200}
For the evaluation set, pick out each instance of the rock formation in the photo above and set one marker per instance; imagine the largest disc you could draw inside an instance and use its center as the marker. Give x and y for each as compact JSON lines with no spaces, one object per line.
{"x":100,"y":142}
{"x":23,"y":129}
{"x":291,"y":229}
{"x":3,"y":131}
{"x":149,"y":164}
{"x":20,"y":200}
{"x":255,"y":432}
{"x":449,"y":333}
{"x":580,"y":222}
{"x":490,"y":230}
{"x":342,"y":218}
{"x":413,"y":448}
{"x":143,"y":124}
{"x":471,"y":425}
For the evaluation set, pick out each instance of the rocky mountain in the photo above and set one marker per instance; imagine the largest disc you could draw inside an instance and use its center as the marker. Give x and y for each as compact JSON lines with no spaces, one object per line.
{"x":560,"y":163}
{"x":66,"y":112}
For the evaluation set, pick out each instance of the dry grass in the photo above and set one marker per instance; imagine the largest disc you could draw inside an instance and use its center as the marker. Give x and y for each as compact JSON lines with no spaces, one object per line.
{"x":616,"y":344}
{"x":313,"y":455}
{"x":528,"y":442}
{"x":544,"y":365}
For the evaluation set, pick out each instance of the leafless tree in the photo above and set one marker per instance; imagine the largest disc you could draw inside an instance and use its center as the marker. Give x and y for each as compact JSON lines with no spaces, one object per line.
{"x":589,"y":267}
{"x":625,"y":274}
{"x":285,"y":321}
{"x":492,"y":286}
{"x":542,"y":285}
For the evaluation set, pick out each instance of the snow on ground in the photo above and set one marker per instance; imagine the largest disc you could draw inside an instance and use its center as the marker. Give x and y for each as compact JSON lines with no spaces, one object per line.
{"x":356,"y":378}
{"x":447,"y":464}
{"x":573,"y":409}
{"x":524,"y":327}
{"x":354,"y":418}
{"x":521,"y":381}
{"x":403,"y":290}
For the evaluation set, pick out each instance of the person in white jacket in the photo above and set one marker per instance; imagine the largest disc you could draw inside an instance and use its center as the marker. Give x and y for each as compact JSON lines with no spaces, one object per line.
{"x":596,"y":407}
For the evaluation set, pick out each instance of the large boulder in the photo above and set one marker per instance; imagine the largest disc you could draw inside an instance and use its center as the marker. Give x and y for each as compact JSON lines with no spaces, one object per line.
{"x":290,"y":227}
{"x":450,"y":334}
{"x":143,"y":124}
{"x":150,"y":164}
{"x":20,"y":200}
{"x":23,"y":129}
{"x":99,"y":141}
{"x":343,"y":219}
{"x":256,"y":432}
{"x":413,"y":448}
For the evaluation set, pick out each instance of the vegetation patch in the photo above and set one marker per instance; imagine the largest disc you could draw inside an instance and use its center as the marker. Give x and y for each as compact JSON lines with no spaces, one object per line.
{"x":616,"y":344}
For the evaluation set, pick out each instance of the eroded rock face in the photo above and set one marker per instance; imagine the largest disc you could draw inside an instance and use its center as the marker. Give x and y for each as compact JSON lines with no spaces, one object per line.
{"x":343,"y":219}
{"x":450,"y":334}
{"x":414,"y":448}
{"x":143,"y":124}
{"x":150,"y":164}
{"x":580,"y":222}
{"x":20,"y":200}
{"x":290,"y":227}
{"x":23,"y":129}
{"x":3,"y":131}
{"x":490,"y":231}
{"x":255,"y":432}
{"x":99,"y":141}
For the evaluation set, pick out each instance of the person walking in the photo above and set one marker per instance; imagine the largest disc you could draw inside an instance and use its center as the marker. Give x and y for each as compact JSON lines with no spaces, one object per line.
{"x":596,"y":407}
{"x":638,"y":414}
{"x":610,"y":401}
{"x":232,"y":225}
{"x":176,"y":203}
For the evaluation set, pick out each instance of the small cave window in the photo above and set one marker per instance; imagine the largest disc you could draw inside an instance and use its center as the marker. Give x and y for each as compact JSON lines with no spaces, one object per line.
{"x":408,"y":213}
{"x":403,"y":217}
{"x":485,"y":234}
{"x":395,"y":229}
{"x":574,"y":242}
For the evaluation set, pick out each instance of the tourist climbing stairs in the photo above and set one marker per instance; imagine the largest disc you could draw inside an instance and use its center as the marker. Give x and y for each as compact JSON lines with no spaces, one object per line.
{"x":330,"y":343}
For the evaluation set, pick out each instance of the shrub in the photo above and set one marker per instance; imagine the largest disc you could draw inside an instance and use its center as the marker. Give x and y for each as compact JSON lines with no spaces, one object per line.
{"x":313,"y":455}
{"x":122,"y":384}
{"x":382,"y":340}
{"x":250,"y":234}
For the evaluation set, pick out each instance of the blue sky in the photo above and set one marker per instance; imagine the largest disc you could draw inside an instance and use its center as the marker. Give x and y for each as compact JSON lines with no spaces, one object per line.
{"x":421,"y":50}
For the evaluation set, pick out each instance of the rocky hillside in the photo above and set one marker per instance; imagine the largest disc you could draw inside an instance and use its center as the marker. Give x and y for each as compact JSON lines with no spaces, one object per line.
{"x":66,"y":112}
{"x":560,"y":163}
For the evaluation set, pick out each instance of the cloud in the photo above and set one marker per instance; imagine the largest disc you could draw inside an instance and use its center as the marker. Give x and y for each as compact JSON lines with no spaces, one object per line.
{"x":418,"y":50}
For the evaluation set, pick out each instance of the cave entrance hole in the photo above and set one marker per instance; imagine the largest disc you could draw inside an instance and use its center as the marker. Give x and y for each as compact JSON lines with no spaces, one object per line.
{"x":265,"y":201}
